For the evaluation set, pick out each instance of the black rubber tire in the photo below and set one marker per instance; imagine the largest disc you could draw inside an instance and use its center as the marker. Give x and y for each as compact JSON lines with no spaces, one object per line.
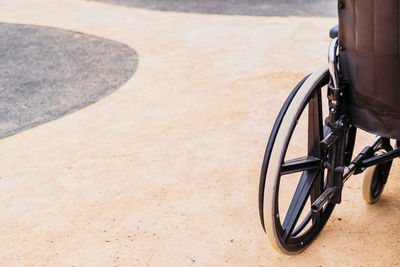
{"x":288,"y":240}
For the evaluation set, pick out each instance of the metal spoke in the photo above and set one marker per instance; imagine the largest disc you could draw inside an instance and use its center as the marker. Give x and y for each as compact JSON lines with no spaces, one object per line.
{"x":299,"y":199}
{"x":303,"y":224}
{"x":300,"y":164}
{"x":316,"y":133}
{"x":315,"y":127}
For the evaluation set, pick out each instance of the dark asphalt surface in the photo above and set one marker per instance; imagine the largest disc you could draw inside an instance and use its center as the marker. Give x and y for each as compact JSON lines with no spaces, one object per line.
{"x":238,"y":7}
{"x":46,"y":73}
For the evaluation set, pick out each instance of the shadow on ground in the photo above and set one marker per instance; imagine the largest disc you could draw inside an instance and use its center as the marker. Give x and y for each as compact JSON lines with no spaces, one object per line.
{"x":48,"y":72}
{"x":238,"y":7}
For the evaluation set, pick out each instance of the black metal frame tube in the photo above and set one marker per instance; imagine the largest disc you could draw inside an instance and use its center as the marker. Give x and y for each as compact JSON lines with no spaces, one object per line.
{"x":381,"y":158}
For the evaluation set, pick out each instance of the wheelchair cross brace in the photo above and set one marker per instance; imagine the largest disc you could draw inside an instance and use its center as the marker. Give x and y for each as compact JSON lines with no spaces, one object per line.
{"x":366,"y":158}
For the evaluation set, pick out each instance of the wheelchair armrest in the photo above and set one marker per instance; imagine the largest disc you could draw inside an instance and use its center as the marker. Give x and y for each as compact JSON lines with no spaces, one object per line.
{"x":334,"y":32}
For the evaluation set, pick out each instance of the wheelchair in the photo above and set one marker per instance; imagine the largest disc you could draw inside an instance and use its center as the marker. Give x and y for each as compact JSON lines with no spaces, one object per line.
{"x":309,"y":154}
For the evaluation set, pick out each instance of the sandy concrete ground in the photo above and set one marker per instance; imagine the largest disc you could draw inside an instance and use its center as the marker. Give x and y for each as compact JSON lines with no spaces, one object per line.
{"x":164,"y":172}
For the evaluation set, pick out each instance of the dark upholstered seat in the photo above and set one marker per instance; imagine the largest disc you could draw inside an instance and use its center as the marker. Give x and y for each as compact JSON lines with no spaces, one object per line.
{"x":370,"y":63}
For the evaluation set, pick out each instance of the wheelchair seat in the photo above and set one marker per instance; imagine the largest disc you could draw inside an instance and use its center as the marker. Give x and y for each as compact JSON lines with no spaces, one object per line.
{"x":369,"y":58}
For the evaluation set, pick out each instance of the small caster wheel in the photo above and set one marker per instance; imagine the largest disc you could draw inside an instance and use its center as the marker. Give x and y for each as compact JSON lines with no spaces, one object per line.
{"x":374,"y":180}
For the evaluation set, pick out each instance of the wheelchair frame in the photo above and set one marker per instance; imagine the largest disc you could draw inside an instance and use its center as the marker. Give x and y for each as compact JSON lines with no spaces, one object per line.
{"x":327,"y":165}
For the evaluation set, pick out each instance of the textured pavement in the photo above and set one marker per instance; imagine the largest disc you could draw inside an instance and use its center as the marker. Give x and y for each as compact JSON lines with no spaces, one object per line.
{"x":164,"y":171}
{"x":319,"y":8}
{"x":48,"y":72}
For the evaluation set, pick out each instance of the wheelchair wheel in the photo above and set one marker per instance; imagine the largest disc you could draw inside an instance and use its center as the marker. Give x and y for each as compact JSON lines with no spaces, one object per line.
{"x":290,"y":176}
{"x":374,"y":180}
